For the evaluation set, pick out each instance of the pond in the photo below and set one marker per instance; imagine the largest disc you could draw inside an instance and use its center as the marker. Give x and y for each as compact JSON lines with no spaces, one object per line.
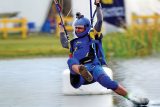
{"x":38,"y":83}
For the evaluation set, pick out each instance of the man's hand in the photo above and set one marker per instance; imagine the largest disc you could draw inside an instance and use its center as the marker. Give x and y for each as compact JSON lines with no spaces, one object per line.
{"x":61,"y":27}
{"x":97,"y":2}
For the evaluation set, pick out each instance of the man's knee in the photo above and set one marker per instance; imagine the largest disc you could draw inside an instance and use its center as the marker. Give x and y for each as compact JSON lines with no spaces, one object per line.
{"x":71,"y":62}
{"x":97,"y":72}
{"x":76,"y":80}
{"x":105,"y":81}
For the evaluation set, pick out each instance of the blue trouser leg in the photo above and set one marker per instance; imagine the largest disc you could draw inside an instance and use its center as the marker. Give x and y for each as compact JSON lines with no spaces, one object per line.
{"x":72,"y":61}
{"x":76,"y":79}
{"x":101,"y":77}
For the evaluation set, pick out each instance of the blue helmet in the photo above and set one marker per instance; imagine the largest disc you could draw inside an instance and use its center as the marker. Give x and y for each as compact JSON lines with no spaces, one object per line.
{"x":81,"y":20}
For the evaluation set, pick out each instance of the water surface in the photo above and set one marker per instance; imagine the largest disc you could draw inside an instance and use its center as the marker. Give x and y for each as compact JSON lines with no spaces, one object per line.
{"x":37,"y":83}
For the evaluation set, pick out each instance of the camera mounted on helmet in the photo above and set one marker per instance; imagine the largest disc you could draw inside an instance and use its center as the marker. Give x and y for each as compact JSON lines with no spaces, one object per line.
{"x":82,"y":21}
{"x":79,"y":15}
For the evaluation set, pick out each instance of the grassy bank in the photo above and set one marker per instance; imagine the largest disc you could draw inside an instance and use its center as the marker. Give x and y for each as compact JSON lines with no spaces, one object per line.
{"x":122,"y":45}
{"x":132,"y":43}
{"x":34,"y":45}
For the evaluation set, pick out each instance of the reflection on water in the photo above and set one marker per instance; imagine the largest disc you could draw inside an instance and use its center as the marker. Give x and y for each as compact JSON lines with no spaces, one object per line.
{"x":88,"y":101}
{"x":31,"y":82}
{"x":141,"y":77}
{"x":37,"y":83}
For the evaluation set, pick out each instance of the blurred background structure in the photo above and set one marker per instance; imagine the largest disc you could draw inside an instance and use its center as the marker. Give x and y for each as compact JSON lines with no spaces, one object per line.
{"x":41,"y":15}
{"x":138,"y":20}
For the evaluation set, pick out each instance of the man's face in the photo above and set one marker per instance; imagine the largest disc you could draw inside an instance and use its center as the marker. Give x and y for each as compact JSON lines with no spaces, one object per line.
{"x":79,"y":29}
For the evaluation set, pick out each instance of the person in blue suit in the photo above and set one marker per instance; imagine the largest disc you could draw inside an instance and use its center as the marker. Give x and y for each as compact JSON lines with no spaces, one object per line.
{"x":87,"y":56}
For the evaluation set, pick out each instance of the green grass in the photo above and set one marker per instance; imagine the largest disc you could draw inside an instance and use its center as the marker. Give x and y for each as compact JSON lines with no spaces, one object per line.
{"x":34,"y":45}
{"x":122,"y":45}
{"x":132,"y":43}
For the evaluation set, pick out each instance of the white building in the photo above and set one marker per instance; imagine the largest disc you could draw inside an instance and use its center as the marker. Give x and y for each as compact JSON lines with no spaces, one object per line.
{"x":37,"y":10}
{"x":34,"y":10}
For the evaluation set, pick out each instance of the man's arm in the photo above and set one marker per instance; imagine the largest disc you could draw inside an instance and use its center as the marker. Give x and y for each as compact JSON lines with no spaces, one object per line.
{"x":98,"y":27}
{"x":63,"y":38}
{"x":98,"y":24}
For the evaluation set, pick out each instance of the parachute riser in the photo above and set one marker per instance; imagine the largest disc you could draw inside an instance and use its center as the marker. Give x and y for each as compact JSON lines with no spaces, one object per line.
{"x":60,"y":15}
{"x":92,"y":15}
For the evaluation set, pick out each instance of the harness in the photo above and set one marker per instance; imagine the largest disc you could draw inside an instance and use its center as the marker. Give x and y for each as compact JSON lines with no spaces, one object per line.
{"x":94,"y":48}
{"x":89,"y":58}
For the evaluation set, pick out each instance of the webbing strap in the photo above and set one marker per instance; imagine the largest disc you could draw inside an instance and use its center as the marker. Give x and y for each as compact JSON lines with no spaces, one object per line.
{"x":94,"y":33}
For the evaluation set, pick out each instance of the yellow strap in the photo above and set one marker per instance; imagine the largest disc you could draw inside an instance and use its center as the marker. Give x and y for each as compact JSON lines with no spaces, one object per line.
{"x":93,"y":32}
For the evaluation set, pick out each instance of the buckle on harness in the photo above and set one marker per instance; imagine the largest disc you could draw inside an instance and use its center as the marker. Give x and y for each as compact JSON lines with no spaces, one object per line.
{"x":85,"y":60}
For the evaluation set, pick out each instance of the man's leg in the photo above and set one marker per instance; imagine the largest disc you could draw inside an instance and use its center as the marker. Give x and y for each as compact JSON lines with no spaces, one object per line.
{"x":101,"y":77}
{"x":75,"y":79}
{"x":121,"y":91}
{"x":79,"y":69}
{"x":136,"y":100}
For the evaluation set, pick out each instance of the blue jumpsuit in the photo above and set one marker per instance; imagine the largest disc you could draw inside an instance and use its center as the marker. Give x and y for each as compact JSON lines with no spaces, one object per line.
{"x":89,"y":53}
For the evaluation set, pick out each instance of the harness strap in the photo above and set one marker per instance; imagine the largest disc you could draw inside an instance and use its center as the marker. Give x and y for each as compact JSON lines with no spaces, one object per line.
{"x":89,"y":58}
{"x":94,"y":34}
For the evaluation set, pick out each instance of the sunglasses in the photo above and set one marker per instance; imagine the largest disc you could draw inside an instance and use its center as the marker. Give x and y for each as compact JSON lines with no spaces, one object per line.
{"x":79,"y":27}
